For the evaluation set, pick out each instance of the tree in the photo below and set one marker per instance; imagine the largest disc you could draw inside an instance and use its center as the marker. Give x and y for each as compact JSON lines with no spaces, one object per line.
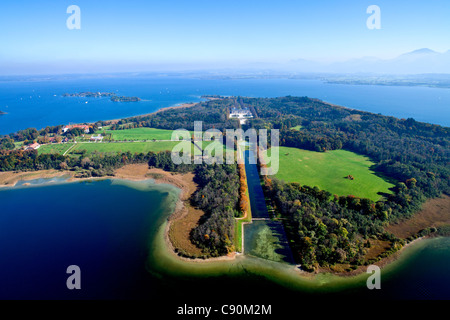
{"x":86,"y":162}
{"x":63,"y":165}
{"x":7,"y":143}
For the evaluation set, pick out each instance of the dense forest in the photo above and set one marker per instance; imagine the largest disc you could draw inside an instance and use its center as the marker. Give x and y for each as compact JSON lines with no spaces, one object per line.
{"x":217,"y":196}
{"x":327,"y":229}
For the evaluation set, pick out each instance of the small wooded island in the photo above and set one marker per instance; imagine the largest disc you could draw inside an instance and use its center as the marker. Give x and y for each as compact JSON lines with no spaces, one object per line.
{"x":1,"y":112}
{"x":114,"y":97}
{"x":124,"y":99}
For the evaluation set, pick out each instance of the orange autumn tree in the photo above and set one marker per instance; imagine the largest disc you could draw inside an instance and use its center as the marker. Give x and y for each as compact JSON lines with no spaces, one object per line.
{"x":243,"y":198}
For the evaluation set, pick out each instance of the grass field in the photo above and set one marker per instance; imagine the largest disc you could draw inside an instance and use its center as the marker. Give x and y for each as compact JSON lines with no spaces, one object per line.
{"x":133,"y":147}
{"x":139,"y":134}
{"x":18,"y":145}
{"x":328,"y":171}
{"x":296,"y":128}
{"x":212,"y":145}
{"x":59,"y":148}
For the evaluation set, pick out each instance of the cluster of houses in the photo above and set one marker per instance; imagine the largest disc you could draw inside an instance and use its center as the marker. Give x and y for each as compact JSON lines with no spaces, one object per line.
{"x":241,"y":113}
{"x":85,"y":128}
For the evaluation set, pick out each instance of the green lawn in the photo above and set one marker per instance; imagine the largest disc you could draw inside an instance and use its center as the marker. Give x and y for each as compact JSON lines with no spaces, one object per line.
{"x":328,"y":171}
{"x":296,"y":128}
{"x":133,"y":147}
{"x":18,"y":145}
{"x":59,"y":148}
{"x":139,"y":134}
{"x":212,"y":146}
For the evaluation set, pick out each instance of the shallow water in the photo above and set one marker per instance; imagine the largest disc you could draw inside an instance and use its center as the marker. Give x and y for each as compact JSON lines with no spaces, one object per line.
{"x":114,"y":230}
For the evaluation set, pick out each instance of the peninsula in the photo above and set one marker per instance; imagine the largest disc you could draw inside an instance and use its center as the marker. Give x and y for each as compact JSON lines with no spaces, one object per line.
{"x":348,"y":186}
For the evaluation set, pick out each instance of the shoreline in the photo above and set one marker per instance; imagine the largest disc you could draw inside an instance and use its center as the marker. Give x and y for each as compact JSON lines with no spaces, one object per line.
{"x":10,"y":179}
{"x":141,"y":172}
{"x":132,"y":172}
{"x":384,"y":262}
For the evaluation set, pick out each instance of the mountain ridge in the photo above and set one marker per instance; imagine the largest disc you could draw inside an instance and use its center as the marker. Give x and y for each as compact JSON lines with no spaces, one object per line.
{"x":423,"y":60}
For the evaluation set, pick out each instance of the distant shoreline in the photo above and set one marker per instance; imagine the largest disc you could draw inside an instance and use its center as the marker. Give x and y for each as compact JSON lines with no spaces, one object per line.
{"x":112,"y":95}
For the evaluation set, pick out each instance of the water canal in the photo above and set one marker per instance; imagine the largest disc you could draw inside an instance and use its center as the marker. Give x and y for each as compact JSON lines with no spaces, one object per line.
{"x":264,"y":238}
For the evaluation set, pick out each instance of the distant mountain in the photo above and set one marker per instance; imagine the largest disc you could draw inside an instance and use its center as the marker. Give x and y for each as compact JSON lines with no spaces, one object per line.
{"x":422,"y":60}
{"x":423,"y":51}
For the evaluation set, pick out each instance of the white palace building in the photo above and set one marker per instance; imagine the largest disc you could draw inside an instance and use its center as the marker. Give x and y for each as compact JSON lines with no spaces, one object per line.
{"x":242,"y":114}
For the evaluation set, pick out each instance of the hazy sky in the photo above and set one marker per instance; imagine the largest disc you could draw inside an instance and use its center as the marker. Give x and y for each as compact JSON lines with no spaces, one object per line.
{"x":140,"y":35}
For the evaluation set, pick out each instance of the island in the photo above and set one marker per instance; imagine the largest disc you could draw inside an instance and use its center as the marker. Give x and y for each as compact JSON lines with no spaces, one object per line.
{"x":353,"y":188}
{"x":212,"y":97}
{"x":2,"y":112}
{"x":89,"y":94}
{"x":124,"y":99}
{"x":114,"y":97}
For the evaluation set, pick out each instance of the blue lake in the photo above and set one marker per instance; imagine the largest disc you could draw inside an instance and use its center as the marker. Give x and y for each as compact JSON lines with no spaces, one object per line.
{"x":113,"y":230}
{"x":39,"y":103}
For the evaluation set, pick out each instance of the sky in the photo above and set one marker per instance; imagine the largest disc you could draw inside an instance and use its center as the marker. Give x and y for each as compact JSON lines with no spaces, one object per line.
{"x":145,"y":35}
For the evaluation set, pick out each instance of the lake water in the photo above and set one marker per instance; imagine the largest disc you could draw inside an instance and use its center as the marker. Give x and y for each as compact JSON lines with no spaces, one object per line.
{"x":103,"y":227}
{"x":113,"y":230}
{"x":39,"y":103}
